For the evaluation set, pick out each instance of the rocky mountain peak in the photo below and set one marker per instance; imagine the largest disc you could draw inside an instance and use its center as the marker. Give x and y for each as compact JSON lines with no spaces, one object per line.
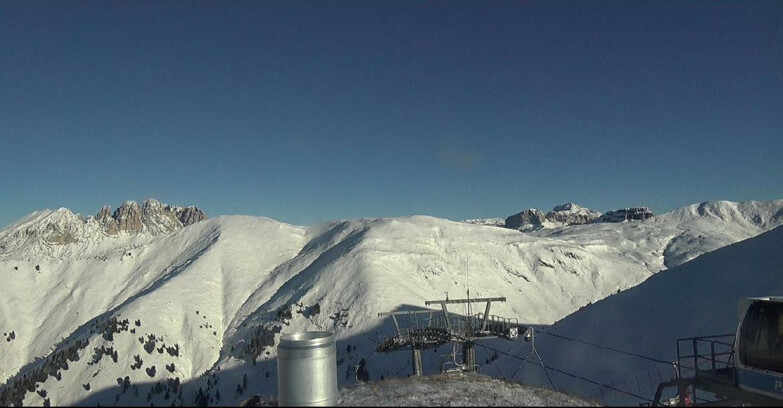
{"x":104,"y":212}
{"x":36,"y":233}
{"x":564,"y":214}
{"x":190,"y":215}
{"x":128,"y":217}
{"x":571,"y":214}
{"x":152,"y":204}
{"x":526,"y":220}
{"x":627,"y":214}
{"x":152,"y":216}
{"x":106,"y":221}
{"x":567,"y":207}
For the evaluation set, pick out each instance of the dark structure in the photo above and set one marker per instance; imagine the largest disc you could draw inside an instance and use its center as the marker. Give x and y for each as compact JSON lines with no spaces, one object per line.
{"x":739,"y":369}
{"x":432,"y":328}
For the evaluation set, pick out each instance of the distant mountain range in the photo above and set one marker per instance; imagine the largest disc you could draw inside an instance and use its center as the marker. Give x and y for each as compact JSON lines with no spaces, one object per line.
{"x":697,"y":298}
{"x":563,"y":215}
{"x":172,"y":307}
{"x":46,"y":232}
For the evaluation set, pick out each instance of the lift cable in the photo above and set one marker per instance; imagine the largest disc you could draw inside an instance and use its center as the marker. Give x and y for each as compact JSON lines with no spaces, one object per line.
{"x":578,"y":377}
{"x":366,"y":359}
{"x":669,"y":363}
{"x":403,"y":368}
{"x":491,"y":360}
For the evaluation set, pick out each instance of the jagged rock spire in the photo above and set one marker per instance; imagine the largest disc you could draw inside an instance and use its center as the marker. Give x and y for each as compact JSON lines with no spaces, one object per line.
{"x":152,"y":216}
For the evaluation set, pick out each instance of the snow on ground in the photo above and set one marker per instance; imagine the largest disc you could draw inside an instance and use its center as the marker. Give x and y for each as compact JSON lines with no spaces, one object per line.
{"x":200,"y":305}
{"x":678,"y":236}
{"x":454,"y":390}
{"x":698,"y":298}
{"x":495,"y":222}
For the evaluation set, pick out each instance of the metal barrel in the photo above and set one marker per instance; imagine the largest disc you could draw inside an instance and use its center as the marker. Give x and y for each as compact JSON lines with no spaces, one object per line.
{"x":307,"y":369}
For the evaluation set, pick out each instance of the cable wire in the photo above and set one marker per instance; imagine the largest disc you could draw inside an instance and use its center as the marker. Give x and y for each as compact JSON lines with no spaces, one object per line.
{"x":365,"y":358}
{"x":491,"y":360}
{"x":578,"y":377}
{"x":404,"y":367}
{"x":669,"y":363}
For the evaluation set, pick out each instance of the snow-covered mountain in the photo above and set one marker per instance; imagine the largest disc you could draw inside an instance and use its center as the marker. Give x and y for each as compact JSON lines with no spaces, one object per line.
{"x":562,"y":215}
{"x":45,"y":233}
{"x":697,"y":298}
{"x":187,"y":315}
{"x":627,"y":214}
{"x":495,"y":222}
{"x":682,"y":234}
{"x":571,"y":214}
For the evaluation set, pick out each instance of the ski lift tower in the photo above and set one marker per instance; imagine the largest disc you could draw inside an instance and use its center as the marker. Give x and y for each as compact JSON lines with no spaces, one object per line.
{"x":432,"y":327}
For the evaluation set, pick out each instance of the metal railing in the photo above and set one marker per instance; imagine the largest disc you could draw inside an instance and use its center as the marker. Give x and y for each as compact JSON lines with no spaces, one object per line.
{"x":424,"y":328}
{"x":495,"y":324}
{"x":474,"y":325}
{"x":706,"y":356}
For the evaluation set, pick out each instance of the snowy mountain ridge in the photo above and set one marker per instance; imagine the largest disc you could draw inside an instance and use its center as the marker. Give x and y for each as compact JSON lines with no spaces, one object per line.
{"x":571,"y":213}
{"x":49,"y":233}
{"x":697,"y":298}
{"x":560,"y":216}
{"x":496,"y":222}
{"x":188,"y":314}
{"x":532,"y":219}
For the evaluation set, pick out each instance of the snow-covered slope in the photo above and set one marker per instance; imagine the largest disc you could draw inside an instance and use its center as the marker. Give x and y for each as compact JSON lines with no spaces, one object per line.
{"x":698,"y":298}
{"x":495,"y":222}
{"x":678,"y":236}
{"x":203,"y":304}
{"x":49,"y":233}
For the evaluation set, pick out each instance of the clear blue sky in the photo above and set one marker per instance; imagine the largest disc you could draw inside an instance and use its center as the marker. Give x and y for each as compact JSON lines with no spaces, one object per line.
{"x":311,"y":111}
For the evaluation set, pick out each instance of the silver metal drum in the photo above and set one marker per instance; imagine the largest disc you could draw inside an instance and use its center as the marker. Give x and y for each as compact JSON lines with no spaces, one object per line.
{"x":307,"y":369}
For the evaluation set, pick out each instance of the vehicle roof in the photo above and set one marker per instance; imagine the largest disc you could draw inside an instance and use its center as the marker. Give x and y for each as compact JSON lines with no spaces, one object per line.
{"x":743,"y":304}
{"x":767,"y":298}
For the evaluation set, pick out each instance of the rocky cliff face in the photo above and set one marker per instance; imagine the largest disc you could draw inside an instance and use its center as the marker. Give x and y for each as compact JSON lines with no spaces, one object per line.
{"x":526,"y":220}
{"x":571,"y":214}
{"x":128,"y":217}
{"x":107,"y":223}
{"x":153,"y":217}
{"x":61,"y":226}
{"x":189,"y":215}
{"x":566,"y":214}
{"x":629,"y":214}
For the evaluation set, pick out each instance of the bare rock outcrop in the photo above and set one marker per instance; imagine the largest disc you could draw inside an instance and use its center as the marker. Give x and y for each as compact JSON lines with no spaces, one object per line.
{"x":158,"y":217}
{"x":561,"y":215}
{"x":63,"y":228}
{"x":627,"y":214}
{"x":152,"y":216}
{"x":106,"y":221}
{"x":128,"y":217}
{"x":190,"y":215}
{"x":526,"y":220}
{"x":571,"y":214}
